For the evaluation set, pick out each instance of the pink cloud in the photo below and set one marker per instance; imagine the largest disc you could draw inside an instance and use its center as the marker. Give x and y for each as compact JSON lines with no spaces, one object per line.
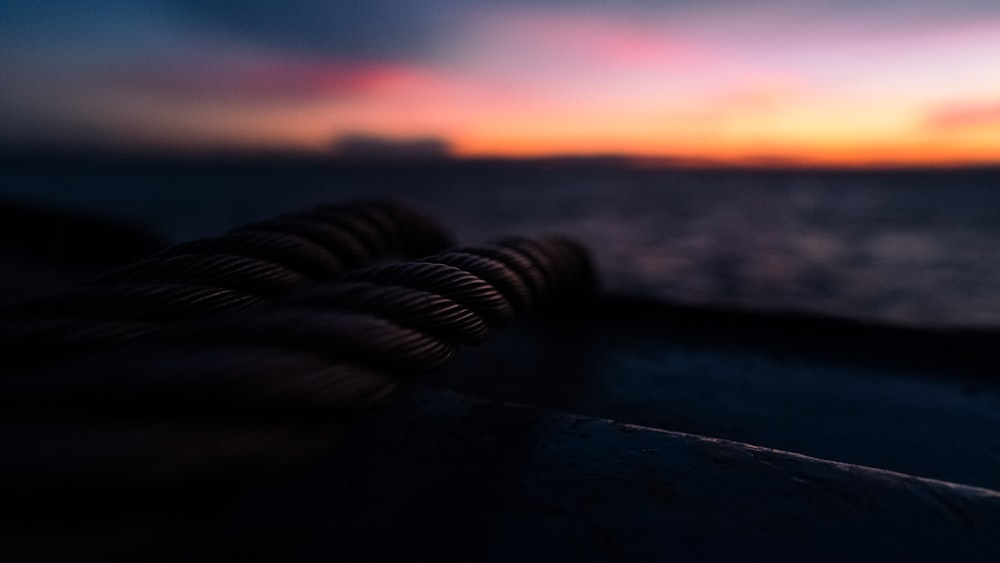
{"x":965,"y":115}
{"x":598,"y":41}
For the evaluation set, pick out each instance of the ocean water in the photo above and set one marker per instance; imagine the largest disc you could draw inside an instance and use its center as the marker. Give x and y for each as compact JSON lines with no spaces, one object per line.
{"x":919,"y":247}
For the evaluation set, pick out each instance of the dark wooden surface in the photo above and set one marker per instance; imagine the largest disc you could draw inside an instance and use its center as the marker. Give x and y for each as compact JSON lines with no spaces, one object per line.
{"x":915,"y":401}
{"x":444,"y":477}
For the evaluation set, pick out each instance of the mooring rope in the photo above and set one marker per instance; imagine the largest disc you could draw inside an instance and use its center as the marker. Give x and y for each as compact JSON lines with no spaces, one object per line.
{"x":322,"y":353}
{"x":405,"y":319}
{"x":237,"y":271}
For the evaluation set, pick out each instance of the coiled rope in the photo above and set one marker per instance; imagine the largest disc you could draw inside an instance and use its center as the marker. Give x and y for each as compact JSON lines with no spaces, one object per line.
{"x":227,"y":390}
{"x":238,"y":271}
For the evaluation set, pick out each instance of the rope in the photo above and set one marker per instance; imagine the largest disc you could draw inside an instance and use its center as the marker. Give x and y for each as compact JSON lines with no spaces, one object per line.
{"x":421,"y":310}
{"x":452,"y":283}
{"x":407,"y":318}
{"x":234,"y":272}
{"x":223,"y":360}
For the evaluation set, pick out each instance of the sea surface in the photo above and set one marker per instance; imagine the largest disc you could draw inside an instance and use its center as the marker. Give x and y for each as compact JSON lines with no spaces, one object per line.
{"x":914,"y":247}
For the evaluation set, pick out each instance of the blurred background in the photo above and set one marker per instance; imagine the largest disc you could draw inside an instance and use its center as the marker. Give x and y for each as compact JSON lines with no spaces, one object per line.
{"x":830,"y":157}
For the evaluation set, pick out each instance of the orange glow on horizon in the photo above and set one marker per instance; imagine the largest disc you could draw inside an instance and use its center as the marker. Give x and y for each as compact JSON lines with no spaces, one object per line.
{"x":530,"y":84}
{"x":806,"y":139}
{"x":554,"y":84}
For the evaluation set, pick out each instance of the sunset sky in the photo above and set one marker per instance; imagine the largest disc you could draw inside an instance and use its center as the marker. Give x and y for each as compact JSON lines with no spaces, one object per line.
{"x":816,"y":81}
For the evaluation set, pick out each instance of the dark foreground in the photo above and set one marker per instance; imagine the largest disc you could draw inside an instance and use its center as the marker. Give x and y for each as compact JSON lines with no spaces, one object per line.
{"x":628,"y":430}
{"x":620,"y":433}
{"x":449,"y":478}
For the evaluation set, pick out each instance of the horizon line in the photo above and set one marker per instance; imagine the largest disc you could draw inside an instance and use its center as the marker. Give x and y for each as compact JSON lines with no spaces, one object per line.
{"x":55,"y":153}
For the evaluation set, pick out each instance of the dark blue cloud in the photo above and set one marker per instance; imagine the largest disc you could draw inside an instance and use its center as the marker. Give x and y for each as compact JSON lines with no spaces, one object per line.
{"x":415,"y":29}
{"x":368,"y":29}
{"x":84,"y":32}
{"x":375,"y":29}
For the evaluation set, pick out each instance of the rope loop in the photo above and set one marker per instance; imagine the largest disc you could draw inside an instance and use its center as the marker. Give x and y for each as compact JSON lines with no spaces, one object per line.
{"x":261,"y":326}
{"x":414,"y":308}
{"x":293,"y":252}
{"x":240,"y":270}
{"x":448,"y":281}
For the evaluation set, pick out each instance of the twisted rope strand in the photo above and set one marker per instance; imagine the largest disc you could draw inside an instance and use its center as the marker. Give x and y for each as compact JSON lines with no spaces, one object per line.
{"x":293,"y":252}
{"x":450,"y":282}
{"x":414,"y":308}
